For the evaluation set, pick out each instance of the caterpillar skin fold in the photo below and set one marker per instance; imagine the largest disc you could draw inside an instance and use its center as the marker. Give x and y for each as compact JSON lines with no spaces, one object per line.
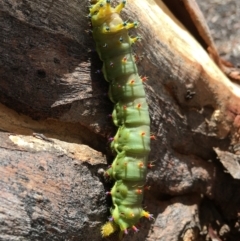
{"x":132,"y":140}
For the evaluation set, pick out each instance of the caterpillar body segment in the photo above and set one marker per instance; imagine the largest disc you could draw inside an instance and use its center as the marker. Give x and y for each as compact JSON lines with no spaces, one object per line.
{"x":130,"y":114}
{"x":127,"y":87}
{"x":128,"y":168}
{"x":132,"y":141}
{"x":131,"y":144}
{"x":127,"y":194}
{"x":107,"y":47}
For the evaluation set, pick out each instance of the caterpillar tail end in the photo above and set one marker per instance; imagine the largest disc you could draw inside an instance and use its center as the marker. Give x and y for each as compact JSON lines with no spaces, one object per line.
{"x":108,"y":228}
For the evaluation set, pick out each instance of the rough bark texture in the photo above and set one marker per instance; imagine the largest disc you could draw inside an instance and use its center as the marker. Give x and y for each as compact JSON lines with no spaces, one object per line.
{"x":45,"y":193}
{"x":54,"y":128}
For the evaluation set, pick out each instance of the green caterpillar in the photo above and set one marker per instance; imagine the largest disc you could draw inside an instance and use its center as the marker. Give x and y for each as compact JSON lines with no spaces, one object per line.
{"x":132,"y":141}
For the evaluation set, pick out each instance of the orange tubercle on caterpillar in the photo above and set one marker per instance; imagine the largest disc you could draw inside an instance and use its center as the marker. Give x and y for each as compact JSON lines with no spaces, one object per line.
{"x":150,"y":165}
{"x":144,"y":78}
{"x":131,"y":82}
{"x":137,"y":58}
{"x":139,"y":106}
{"x":139,"y":191}
{"x":124,"y":60}
{"x":140,"y":164}
{"x":147,"y":188}
{"x":143,"y":133}
{"x":153,"y":137}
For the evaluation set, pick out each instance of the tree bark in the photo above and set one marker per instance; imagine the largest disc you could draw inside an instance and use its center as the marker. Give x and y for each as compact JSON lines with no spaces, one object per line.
{"x":55,"y":126}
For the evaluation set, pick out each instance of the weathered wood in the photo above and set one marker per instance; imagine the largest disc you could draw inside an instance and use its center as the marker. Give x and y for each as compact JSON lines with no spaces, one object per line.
{"x":230,"y":161}
{"x":46,"y":191}
{"x":48,"y":74}
{"x":190,"y":15}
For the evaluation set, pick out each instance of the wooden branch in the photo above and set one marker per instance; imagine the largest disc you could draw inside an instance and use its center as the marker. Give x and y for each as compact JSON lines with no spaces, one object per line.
{"x":46,"y":191}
